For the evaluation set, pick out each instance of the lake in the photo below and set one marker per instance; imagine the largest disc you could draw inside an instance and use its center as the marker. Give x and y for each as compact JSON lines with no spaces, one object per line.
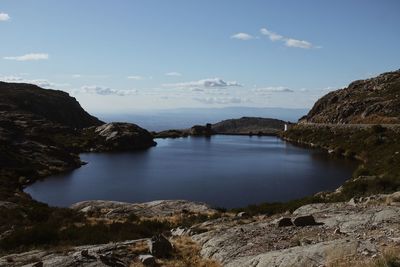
{"x":223,"y":171}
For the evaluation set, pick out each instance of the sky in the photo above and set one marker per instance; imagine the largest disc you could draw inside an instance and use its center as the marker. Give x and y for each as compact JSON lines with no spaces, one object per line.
{"x":129,"y":55}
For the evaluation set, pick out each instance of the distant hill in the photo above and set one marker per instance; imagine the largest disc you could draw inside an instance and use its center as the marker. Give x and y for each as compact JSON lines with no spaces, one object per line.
{"x":246,"y":125}
{"x":183,"y":118}
{"x":53,"y":105}
{"x":370,"y":101}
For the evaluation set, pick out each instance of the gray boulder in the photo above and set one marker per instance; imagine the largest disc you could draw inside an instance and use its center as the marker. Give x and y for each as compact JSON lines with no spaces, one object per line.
{"x":160,"y":247}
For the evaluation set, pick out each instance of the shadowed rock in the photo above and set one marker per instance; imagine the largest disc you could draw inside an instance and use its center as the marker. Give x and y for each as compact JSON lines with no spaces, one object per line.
{"x":307,"y":220}
{"x":160,"y":247}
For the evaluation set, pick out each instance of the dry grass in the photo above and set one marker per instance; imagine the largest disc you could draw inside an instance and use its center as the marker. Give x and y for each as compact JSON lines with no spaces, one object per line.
{"x":389,"y":258}
{"x":186,"y":253}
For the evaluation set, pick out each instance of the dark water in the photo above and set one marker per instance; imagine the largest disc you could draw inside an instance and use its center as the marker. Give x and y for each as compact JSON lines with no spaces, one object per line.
{"x":224,"y":171}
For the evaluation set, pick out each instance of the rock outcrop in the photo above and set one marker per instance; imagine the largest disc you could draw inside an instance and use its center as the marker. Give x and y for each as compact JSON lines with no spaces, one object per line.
{"x":119,"y":136}
{"x":199,"y":130}
{"x":366,"y":229}
{"x":158,"y":208}
{"x":52,"y":105}
{"x":371,"y":101}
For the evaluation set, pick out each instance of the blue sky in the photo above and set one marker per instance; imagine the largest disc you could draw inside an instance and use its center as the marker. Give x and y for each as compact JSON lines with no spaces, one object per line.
{"x":121,"y":56}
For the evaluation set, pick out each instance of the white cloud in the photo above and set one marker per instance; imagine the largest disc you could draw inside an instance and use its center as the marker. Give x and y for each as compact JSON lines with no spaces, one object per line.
{"x":76,"y":76}
{"x":298,"y":43}
{"x":4,"y":17}
{"x":279,"y":89}
{"x":271,"y":35}
{"x":29,"y":57}
{"x":100,"y":90}
{"x":135,"y":77}
{"x":39,"y":82}
{"x":205,"y":83}
{"x":219,"y":100}
{"x":289,"y":42}
{"x":173,"y":73}
{"x":242,"y":36}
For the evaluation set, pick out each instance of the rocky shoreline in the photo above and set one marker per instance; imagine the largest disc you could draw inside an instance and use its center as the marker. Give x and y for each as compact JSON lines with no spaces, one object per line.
{"x":361,"y":230}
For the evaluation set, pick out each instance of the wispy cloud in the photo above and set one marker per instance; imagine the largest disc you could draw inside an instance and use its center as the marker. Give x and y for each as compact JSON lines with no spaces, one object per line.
{"x":29,"y":57}
{"x":100,"y":90}
{"x":173,"y":73}
{"x":4,"y":16}
{"x":219,"y":100}
{"x":136,"y":77}
{"x":271,"y":35}
{"x":205,"y":83}
{"x":242,"y":36}
{"x":278,"y":89}
{"x":44,"y":83}
{"x":289,"y":42}
{"x":298,"y":43}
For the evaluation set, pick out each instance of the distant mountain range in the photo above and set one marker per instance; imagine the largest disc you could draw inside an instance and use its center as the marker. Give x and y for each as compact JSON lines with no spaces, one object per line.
{"x":184,"y":118}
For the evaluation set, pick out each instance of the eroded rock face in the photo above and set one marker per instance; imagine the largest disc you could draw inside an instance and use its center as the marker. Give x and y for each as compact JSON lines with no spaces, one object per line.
{"x":375,"y":100}
{"x":119,"y":136}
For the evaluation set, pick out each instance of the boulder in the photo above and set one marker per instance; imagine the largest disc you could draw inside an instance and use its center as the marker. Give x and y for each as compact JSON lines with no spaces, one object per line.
{"x":160,"y":247}
{"x":147,"y":260}
{"x":242,"y":215}
{"x":119,"y":136}
{"x":304,"y":220}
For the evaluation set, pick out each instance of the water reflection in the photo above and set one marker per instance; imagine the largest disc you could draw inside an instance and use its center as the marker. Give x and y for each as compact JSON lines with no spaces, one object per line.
{"x":225,"y":171}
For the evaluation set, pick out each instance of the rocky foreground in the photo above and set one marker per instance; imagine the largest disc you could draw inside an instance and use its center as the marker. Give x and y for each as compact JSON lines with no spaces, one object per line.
{"x":357,"y":232}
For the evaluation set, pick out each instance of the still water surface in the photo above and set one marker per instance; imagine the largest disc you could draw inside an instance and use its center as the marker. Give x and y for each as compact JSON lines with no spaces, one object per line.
{"x":223,"y":171}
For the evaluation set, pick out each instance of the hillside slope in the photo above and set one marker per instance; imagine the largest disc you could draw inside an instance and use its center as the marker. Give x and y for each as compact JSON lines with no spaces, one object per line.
{"x":370,"y":101}
{"x":246,"y":125}
{"x":53,"y":105}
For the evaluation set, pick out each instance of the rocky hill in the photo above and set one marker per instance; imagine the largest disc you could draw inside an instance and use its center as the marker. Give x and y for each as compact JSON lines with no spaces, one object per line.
{"x":370,"y":101}
{"x":53,"y":105}
{"x":247,"y":125}
{"x":242,"y":126}
{"x":42,"y":132}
